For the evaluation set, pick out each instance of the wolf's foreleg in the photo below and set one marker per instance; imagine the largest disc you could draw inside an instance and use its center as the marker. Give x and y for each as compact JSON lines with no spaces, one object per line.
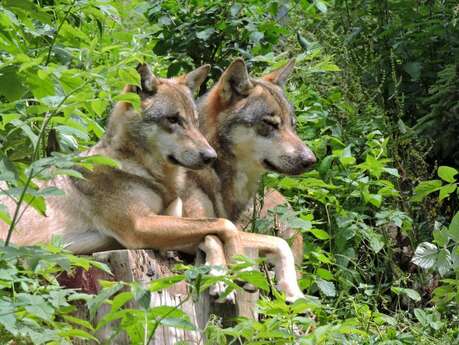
{"x":280,"y":255}
{"x":166,"y":232}
{"x":215,"y":257}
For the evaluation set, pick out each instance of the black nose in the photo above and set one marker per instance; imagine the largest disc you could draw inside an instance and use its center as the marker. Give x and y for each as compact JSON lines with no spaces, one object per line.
{"x":308,"y":160}
{"x":208,"y":156}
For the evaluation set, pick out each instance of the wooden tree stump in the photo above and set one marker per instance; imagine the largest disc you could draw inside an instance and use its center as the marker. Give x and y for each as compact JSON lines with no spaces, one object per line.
{"x":145,"y":266}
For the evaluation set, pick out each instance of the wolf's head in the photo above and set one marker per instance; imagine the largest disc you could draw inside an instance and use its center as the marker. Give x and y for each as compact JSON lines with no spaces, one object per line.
{"x":253,"y":120}
{"x":166,"y":126}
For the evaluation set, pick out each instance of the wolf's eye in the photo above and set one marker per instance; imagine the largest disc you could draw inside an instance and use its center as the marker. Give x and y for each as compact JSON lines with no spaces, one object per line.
{"x":272,"y":122}
{"x":173,"y":119}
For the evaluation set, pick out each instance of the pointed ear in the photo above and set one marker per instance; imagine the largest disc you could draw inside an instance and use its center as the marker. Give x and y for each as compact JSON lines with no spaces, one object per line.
{"x":149,"y":83}
{"x":235,"y":80}
{"x":280,"y":75}
{"x":195,"y":78}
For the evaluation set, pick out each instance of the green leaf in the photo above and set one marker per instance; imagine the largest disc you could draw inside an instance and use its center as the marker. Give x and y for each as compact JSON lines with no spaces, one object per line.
{"x":78,"y":321}
{"x":48,"y":191}
{"x":425,"y":188}
{"x":455,"y":257}
{"x":37,"y":202}
{"x":345,"y":156}
{"x":425,"y":255}
{"x":121,"y":299}
{"x":235,"y":8}
{"x":78,"y":333}
{"x":178,"y":323}
{"x":375,"y":240}
{"x":129,"y":97}
{"x":447,"y":174}
{"x":412,"y":294}
{"x":324,"y":274}
{"x":325,"y":165}
{"x":95,"y":303}
{"x":304,"y":43}
{"x":441,"y":236}
{"x":256,"y":36}
{"x":374,"y":199}
{"x":322,"y":257}
{"x":446,"y":191}
{"x":10,"y":84}
{"x":164,"y":283}
{"x":99,"y":106}
{"x":36,"y":305}
{"x":413,"y":69}
{"x":422,"y":316}
{"x":392,"y":171}
{"x":255,"y":278}
{"x":320,"y":234}
{"x":443,"y":263}
{"x":129,"y":75}
{"x":8,"y":171}
{"x":4,"y":214}
{"x":7,"y":318}
{"x":27,"y":130}
{"x":453,"y":229}
{"x":321,"y":6}
{"x":327,"y":288}
{"x":101,"y":160}
{"x":326,"y":66}
{"x":205,"y":34}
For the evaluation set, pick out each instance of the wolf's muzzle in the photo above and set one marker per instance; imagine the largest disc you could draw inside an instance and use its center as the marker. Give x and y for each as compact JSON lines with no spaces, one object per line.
{"x":307,"y":160}
{"x":208,"y":156}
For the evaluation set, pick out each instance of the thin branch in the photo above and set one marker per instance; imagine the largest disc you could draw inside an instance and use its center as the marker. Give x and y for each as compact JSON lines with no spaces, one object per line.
{"x":157,"y":323}
{"x":34,"y":157}
{"x":48,"y":58}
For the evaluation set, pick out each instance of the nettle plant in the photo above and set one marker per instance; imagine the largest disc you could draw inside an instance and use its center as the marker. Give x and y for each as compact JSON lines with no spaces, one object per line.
{"x":57,"y":78}
{"x":349,"y":204}
{"x":442,"y":254}
{"x":34,"y":308}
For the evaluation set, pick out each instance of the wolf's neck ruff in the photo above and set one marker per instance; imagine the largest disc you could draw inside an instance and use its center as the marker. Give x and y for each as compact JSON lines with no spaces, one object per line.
{"x":136,"y":159}
{"x":238,"y":176}
{"x":238,"y":183}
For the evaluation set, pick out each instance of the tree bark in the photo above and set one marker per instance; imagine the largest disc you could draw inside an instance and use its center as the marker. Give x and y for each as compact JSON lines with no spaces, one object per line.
{"x":145,"y":266}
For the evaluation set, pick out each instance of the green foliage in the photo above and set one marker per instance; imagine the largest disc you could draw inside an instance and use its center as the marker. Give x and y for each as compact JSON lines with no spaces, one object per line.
{"x":35,"y":309}
{"x":412,"y":72}
{"x":220,"y":29}
{"x":443,"y":254}
{"x":375,"y":92}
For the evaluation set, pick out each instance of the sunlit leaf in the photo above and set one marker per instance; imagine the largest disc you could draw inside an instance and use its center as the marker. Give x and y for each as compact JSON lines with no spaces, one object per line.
{"x":447,"y":173}
{"x":425,"y":255}
{"x":326,"y":287}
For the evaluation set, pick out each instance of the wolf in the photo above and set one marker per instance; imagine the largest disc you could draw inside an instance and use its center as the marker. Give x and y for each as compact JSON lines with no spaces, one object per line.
{"x":251,"y":125}
{"x":135,"y":205}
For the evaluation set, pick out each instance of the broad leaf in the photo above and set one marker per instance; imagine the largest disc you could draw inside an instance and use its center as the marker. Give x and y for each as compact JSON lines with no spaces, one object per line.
{"x":453,"y":229}
{"x":447,"y":174}
{"x":425,"y":255}
{"x":425,"y":188}
{"x":327,"y":288}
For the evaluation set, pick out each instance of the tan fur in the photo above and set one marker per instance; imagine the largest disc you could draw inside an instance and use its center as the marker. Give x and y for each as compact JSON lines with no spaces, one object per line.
{"x":236,"y":116}
{"x":137,"y":204}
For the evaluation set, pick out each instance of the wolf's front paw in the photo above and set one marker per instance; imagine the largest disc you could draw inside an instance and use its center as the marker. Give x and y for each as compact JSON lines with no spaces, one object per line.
{"x":290,"y":299}
{"x":218,"y":289}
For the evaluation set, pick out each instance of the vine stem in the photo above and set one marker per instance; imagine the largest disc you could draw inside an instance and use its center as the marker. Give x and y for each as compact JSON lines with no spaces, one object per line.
{"x":53,"y":41}
{"x":157,"y":323}
{"x":35,"y":153}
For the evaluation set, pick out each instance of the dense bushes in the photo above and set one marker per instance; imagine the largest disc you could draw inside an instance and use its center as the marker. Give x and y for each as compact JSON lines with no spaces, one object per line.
{"x":376,"y":96}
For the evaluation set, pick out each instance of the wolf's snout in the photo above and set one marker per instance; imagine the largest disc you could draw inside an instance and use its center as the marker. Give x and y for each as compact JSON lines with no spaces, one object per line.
{"x":308,"y":159}
{"x":208,"y":156}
